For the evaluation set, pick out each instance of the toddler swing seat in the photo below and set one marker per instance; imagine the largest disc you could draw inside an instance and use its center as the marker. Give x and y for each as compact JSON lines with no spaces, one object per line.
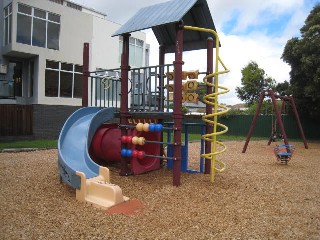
{"x":284,"y":152}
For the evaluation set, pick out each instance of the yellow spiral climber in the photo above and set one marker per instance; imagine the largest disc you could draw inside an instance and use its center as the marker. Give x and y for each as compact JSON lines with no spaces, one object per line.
{"x":218,"y":109}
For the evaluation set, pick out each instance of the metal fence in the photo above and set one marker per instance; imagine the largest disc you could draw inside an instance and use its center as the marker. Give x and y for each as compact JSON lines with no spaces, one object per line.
{"x":105,"y":88}
{"x":147,"y":88}
{"x":239,"y":126}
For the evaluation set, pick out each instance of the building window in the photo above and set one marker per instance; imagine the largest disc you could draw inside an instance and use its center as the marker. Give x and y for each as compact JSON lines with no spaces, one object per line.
{"x":37,"y":27}
{"x":7,"y":24}
{"x":74,"y":6}
{"x":63,"y":80}
{"x":135,"y":51}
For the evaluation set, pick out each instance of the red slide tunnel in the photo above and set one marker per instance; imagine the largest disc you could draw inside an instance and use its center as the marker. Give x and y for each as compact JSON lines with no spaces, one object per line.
{"x":106,"y":145}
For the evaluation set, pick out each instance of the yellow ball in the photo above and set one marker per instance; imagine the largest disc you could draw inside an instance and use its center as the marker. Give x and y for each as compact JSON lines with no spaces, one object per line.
{"x":139,"y":127}
{"x":135,"y":140}
{"x":141,"y":141}
{"x":146,"y":127}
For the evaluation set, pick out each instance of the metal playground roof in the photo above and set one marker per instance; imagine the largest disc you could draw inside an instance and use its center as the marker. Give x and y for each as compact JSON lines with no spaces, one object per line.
{"x":162,"y":18}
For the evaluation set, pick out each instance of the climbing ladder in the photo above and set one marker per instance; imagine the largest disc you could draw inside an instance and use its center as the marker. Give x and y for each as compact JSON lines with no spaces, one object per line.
{"x":218,"y":109}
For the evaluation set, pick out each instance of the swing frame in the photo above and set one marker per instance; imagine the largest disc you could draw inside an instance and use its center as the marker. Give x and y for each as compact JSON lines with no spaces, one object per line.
{"x":270,"y":93}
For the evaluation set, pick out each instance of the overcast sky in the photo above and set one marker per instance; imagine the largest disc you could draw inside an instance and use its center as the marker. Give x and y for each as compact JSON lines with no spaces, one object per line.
{"x":254,"y":30}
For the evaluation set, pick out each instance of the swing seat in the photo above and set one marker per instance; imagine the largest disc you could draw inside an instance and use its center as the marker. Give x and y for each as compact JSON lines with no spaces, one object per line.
{"x":284,"y":152}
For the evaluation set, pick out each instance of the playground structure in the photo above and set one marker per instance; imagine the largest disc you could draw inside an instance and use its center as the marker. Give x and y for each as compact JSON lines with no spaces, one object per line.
{"x":136,"y":140}
{"x":282,"y":156}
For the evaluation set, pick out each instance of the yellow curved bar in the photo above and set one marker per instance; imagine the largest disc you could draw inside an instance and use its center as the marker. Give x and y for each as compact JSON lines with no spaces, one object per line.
{"x":218,"y":109}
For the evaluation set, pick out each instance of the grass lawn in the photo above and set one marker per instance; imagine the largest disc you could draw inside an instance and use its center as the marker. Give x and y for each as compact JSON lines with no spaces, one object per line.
{"x":45,"y":143}
{"x":197,"y":137}
{"x":40,"y":143}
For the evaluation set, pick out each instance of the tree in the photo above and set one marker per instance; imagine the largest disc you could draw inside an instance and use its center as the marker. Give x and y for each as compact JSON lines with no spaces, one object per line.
{"x":266,"y":108}
{"x":253,"y":80}
{"x":201,"y":91}
{"x":303,"y":55}
{"x":283,"y":88}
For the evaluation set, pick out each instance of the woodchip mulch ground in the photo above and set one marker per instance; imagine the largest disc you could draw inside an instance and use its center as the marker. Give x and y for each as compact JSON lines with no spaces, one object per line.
{"x":254,"y":198}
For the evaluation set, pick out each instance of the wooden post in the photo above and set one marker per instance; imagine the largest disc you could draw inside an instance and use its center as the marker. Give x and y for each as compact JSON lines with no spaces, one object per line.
{"x":177,"y":108}
{"x":161,"y":78}
{"x":85,"y":74}
{"x":298,"y":121}
{"x":124,"y":170}
{"x":253,"y":123}
{"x":209,"y":129}
{"x":162,"y":53}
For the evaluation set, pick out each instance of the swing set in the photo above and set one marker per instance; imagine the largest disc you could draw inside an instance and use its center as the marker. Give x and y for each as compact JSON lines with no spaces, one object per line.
{"x":284,"y":151}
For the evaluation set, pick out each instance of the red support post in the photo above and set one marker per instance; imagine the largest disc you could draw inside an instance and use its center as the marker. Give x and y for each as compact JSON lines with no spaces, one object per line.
{"x":298,"y":121}
{"x":177,"y":108}
{"x":207,"y":168}
{"x":253,"y":123}
{"x":162,"y":53}
{"x":124,"y":170}
{"x":85,"y":74}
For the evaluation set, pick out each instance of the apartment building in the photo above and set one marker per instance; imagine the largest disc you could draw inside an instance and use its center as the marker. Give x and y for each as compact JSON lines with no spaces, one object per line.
{"x":41,"y":57}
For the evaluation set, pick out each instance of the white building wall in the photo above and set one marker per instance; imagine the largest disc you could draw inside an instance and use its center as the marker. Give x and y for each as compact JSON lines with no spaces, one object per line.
{"x":76,"y":27}
{"x":104,"y":49}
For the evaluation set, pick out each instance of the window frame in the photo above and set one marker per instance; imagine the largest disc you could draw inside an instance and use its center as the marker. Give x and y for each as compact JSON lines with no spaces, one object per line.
{"x":7,"y":36}
{"x":60,"y":70}
{"x":47,"y":20}
{"x":134,"y":43}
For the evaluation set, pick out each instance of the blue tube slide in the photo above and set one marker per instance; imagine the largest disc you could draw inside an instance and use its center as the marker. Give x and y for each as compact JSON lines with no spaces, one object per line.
{"x":74,"y":141}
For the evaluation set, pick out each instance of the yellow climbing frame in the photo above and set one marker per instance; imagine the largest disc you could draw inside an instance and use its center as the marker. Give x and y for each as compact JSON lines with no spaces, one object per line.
{"x":218,"y":109}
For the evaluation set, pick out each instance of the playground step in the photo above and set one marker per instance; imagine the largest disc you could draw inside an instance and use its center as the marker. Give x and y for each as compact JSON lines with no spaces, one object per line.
{"x":99,"y":193}
{"x":103,"y":194}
